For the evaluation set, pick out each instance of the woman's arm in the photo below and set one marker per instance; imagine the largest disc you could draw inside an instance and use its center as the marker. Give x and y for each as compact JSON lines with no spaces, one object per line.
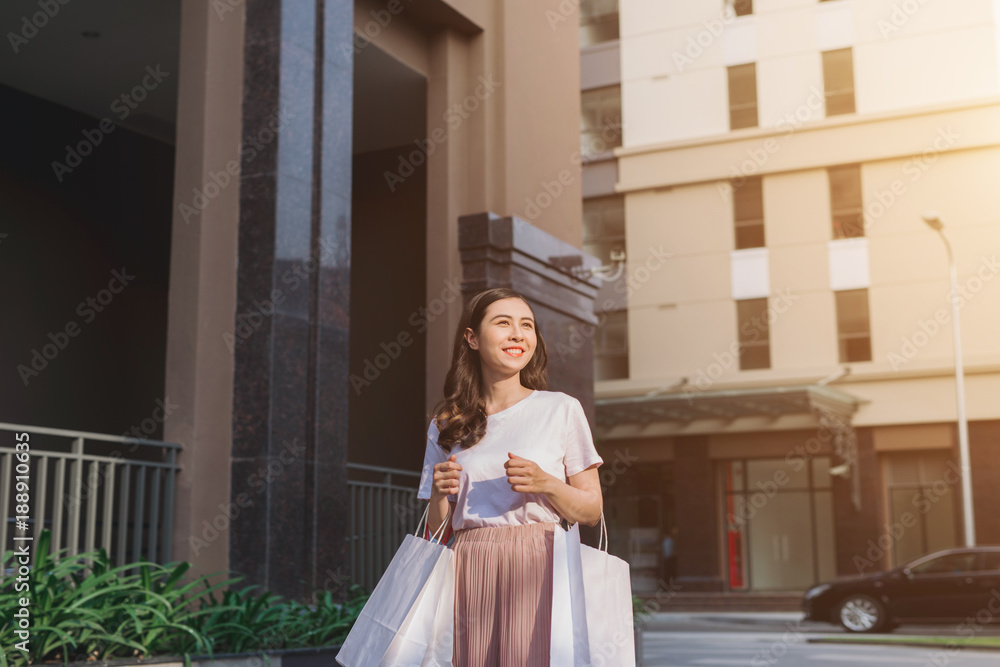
{"x":445,"y":483}
{"x":578,"y":501}
{"x":438,"y":511}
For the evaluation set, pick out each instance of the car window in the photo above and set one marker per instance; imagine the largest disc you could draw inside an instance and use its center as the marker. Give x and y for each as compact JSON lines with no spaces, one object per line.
{"x":950,"y":563}
{"x":992,"y":560}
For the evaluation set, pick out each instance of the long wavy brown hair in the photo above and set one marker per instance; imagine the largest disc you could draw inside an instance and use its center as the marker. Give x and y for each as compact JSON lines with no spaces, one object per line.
{"x":461,"y":414}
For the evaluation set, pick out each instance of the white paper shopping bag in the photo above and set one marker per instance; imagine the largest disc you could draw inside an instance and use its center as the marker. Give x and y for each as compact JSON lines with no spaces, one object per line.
{"x":395,"y":625}
{"x":608,"y":590}
{"x":569,"y":646}
{"x":441,"y":649}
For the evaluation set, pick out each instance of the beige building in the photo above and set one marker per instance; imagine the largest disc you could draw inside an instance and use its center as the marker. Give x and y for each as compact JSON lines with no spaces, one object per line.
{"x":780,"y":390}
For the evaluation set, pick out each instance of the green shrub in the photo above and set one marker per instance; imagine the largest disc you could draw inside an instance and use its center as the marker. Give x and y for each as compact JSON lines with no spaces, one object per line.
{"x":83,"y":608}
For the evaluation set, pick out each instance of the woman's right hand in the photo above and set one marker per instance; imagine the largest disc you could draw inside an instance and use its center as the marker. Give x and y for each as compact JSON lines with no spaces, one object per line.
{"x":446,"y":476}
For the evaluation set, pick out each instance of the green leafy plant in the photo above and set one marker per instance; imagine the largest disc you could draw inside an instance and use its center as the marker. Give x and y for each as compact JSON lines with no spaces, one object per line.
{"x":84,"y":608}
{"x":640,"y":611}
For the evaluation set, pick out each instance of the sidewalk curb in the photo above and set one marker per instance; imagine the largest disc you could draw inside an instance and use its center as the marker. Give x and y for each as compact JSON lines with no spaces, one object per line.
{"x":949,"y":646}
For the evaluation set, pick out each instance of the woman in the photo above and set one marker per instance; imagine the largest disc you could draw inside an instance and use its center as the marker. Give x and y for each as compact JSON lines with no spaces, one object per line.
{"x":508,"y":460}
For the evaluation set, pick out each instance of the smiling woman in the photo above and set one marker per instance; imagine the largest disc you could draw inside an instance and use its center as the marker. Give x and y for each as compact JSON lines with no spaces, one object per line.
{"x":508,"y":460}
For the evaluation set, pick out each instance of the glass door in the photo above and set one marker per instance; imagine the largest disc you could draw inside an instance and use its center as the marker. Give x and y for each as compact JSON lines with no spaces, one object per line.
{"x":779,"y":532}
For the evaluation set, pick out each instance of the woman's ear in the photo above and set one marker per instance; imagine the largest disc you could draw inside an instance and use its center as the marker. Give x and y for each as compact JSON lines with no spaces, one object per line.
{"x":470,"y":338}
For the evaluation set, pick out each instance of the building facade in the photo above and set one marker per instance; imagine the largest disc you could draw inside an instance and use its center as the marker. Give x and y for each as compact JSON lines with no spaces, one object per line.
{"x":780,"y":391}
{"x":303,"y":193}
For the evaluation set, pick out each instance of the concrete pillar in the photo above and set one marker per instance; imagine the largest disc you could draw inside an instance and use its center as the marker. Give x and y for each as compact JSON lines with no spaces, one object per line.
{"x":202,"y":294}
{"x":697,"y":546}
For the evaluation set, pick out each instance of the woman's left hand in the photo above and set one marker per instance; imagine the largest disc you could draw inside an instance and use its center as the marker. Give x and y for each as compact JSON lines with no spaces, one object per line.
{"x":526,"y":476}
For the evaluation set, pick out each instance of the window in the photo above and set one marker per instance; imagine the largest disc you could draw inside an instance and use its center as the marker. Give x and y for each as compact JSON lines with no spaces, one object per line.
{"x":838,"y":80}
{"x":754,"y":334}
{"x":611,"y":347}
{"x":853,"y":328}
{"x":845,"y":201}
{"x":604,"y":233}
{"x":600,"y":120}
{"x":603,"y":226}
{"x":742,"y":7}
{"x":991,"y":561}
{"x":748,"y":213}
{"x":959,"y":563}
{"x":742,"y":96}
{"x":785,"y":542}
{"x":598,"y":21}
{"x":918,"y":498}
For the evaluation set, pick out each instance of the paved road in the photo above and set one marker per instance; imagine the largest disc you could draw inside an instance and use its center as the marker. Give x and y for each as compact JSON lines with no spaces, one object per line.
{"x":758,"y":640}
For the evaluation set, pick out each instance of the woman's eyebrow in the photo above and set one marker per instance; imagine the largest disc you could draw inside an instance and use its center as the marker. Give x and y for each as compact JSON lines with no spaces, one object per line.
{"x":511,"y":317}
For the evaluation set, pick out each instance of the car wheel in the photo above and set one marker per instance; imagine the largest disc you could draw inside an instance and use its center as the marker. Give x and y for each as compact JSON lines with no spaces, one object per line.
{"x":862,"y":613}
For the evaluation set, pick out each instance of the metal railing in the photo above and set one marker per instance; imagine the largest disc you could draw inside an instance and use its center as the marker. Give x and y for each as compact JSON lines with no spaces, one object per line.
{"x":92,"y":490}
{"x":383,"y":508}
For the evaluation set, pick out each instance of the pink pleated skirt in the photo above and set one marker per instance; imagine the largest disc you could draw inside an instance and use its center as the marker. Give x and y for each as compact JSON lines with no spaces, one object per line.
{"x":503,"y":596}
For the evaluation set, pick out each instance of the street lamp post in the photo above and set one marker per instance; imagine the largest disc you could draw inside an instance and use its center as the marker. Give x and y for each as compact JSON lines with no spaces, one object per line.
{"x":934,"y":221}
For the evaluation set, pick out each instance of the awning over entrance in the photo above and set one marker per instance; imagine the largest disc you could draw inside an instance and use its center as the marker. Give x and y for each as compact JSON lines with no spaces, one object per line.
{"x":688,"y":406}
{"x":833,"y":410}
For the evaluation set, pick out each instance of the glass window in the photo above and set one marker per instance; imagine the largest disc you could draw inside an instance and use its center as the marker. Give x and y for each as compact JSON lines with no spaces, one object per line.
{"x":611,"y":347}
{"x":922,"y":498}
{"x":826,"y":547}
{"x":600,"y":120}
{"x":748,"y":213}
{"x":742,"y":96}
{"x":821,"y":472}
{"x":948,"y":564}
{"x":779,"y":528}
{"x":991,"y":560}
{"x":776,"y":473}
{"x":853,"y":326}
{"x":598,"y":21}
{"x":603,"y":226}
{"x":845,"y":201}
{"x":754,"y":333}
{"x":838,"y":81}
{"x":733,"y":472}
{"x":614,"y":333}
{"x":604,"y":233}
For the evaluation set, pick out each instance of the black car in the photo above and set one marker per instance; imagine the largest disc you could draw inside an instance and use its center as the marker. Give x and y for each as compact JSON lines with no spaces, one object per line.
{"x":950,"y":586}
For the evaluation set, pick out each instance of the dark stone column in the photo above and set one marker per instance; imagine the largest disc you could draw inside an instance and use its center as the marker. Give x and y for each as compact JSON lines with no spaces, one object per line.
{"x":698,"y":524}
{"x":293,"y":286}
{"x":856,"y":530}
{"x":509,"y":252}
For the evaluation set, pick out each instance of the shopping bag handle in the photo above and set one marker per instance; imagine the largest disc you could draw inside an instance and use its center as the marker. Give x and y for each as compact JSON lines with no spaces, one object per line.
{"x":439,"y":533}
{"x":603,"y":539}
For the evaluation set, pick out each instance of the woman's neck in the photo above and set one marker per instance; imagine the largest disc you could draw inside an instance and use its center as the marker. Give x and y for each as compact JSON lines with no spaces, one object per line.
{"x":502,"y":394}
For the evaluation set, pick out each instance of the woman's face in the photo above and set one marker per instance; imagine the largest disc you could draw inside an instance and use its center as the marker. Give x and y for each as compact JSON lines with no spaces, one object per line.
{"x":506,"y":339}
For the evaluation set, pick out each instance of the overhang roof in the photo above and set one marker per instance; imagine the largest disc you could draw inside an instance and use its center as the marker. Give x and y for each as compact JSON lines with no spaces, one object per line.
{"x":728,"y":404}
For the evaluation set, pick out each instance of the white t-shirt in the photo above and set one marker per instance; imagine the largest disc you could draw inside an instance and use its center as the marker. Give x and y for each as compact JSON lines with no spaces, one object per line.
{"x":547,"y":427}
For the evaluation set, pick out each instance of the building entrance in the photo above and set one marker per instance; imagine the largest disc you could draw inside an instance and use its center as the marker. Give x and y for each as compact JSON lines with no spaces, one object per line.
{"x":778,"y":522}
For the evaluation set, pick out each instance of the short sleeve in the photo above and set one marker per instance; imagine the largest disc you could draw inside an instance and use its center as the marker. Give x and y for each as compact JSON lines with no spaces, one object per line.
{"x":580,"y":451}
{"x":433,"y":454}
